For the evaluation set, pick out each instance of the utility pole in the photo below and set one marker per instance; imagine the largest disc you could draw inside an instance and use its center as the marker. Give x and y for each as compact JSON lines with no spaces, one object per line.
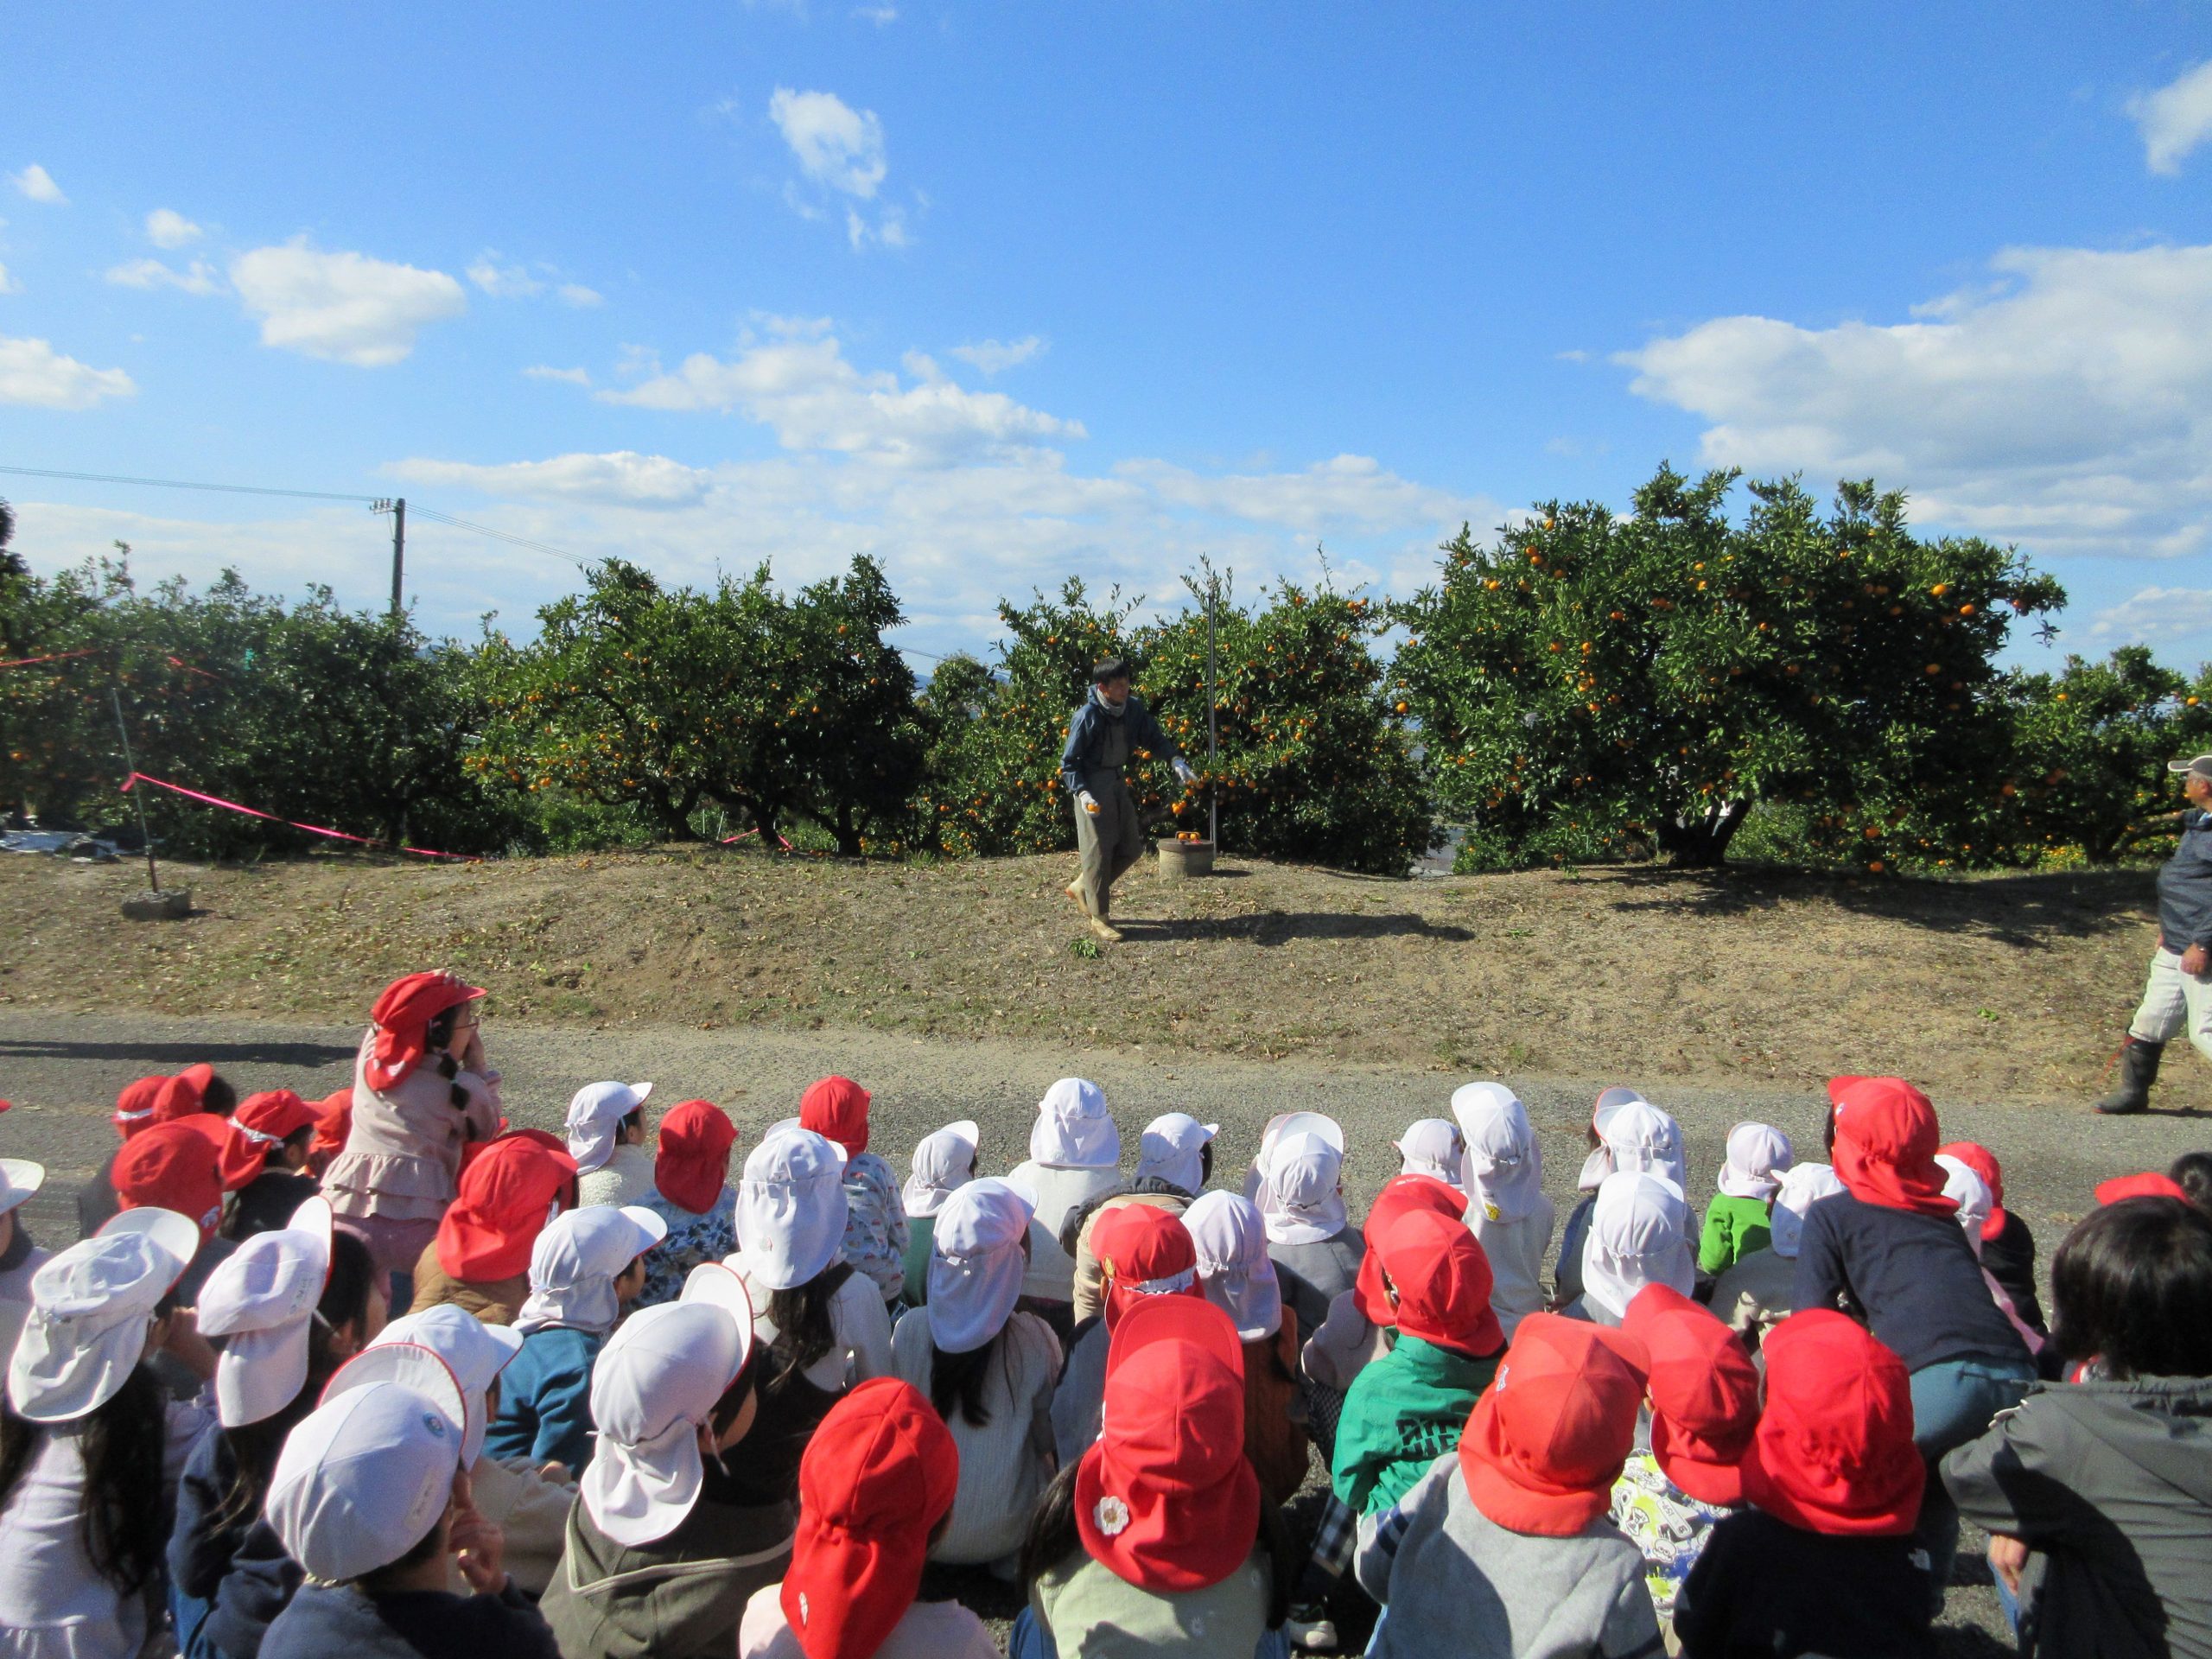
{"x":397,"y":509}
{"x":1213,"y":718}
{"x":137,"y":795}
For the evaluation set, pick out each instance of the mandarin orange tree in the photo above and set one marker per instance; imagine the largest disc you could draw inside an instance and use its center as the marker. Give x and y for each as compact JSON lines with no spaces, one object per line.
{"x":1590,"y":681}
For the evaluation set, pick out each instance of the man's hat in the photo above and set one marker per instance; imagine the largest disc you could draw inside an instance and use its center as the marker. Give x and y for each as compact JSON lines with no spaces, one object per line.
{"x":2201,"y":764}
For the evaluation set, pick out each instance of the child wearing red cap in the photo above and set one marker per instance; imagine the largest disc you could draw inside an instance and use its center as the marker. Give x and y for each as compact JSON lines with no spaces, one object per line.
{"x":1408,"y":1407}
{"x":1824,"y":1561}
{"x":273,"y":1131}
{"x":2098,"y":1494}
{"x":1502,"y":1548}
{"x":1889,"y":1248}
{"x":479,"y":1259}
{"x":1143,"y":1252}
{"x":1155,"y":1542}
{"x":1704,"y":1396}
{"x":2008,"y":1247}
{"x":141,"y":1105}
{"x":876,"y":1218}
{"x":692,"y":1194}
{"x":875,"y":1486}
{"x":422,"y":1092}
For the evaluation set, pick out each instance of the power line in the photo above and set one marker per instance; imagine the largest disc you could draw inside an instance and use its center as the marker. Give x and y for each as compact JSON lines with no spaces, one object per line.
{"x":498,"y":535}
{"x":180,"y":483}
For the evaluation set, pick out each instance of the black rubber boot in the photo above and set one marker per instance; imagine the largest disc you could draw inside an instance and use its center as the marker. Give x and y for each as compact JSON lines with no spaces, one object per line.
{"x":2139,"y":1069}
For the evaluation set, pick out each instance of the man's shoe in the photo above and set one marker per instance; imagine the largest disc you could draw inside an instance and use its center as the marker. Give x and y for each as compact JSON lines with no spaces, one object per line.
{"x":1310,"y":1630}
{"x":1105,"y":930}
{"x":1075,"y":891}
{"x":2139,"y":1069}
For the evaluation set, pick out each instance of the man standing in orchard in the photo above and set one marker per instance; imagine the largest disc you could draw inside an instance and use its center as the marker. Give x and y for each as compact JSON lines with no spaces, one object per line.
{"x":1112,"y":722}
{"x":2179,"y":996}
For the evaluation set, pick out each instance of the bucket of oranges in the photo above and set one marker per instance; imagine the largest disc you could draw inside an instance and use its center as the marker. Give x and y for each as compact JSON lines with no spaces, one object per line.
{"x":1190,"y":854}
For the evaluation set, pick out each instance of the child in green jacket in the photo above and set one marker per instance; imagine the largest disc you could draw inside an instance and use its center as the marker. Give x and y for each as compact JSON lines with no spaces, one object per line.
{"x":1737,"y":1223}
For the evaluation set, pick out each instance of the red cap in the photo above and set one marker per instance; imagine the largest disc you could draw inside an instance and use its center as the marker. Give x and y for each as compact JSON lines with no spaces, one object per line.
{"x":507,"y":1197}
{"x":1983,"y":1162}
{"x":1165,"y":1498}
{"x":1145,"y":1252}
{"x":274,"y":1117}
{"x":160,"y":1100}
{"x":837,"y":1110}
{"x":692,"y":1165}
{"x":1703,"y":1390}
{"x":1885,"y":1141}
{"x":1401,"y":1196}
{"x":1549,"y":1435}
{"x":237,"y":1158}
{"x":334,"y":1123}
{"x":2148,"y":1185}
{"x":403,"y":1016}
{"x":879,"y":1474}
{"x":172,"y":1167}
{"x":1833,"y":1452}
{"x":1443,"y":1281}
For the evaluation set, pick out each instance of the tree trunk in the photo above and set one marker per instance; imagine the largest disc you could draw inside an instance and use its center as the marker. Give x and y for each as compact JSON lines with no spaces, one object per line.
{"x":847,"y":834}
{"x":1701,"y":843}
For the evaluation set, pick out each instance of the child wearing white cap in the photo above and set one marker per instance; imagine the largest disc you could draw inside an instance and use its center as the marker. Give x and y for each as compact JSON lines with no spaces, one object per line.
{"x":293,"y":1305}
{"x":1432,"y":1147}
{"x":1174,"y":1162}
{"x":607,"y":1137}
{"x":944,"y":1161}
{"x":370,"y":1497}
{"x":665,"y":1545}
{"x":987,"y":1369}
{"x":585,"y":1269}
{"x":20,"y":1255}
{"x":822,"y":1324}
{"x":1760,"y":1291}
{"x":1298,"y":1183}
{"x":90,"y":1445}
{"x":1075,"y":1157}
{"x":1506,"y":1206}
{"x":1736,"y":1221}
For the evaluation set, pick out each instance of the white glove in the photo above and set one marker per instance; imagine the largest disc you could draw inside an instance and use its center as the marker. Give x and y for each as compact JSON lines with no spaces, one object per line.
{"x":1183,"y":769}
{"x":1087,"y":801}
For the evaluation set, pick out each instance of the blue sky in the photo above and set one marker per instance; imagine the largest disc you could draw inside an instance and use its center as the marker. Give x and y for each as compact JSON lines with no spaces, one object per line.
{"x":1001,"y":293}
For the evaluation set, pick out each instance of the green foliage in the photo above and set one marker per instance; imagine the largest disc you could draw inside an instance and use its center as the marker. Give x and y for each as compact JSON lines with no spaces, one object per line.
{"x":1595,"y":682}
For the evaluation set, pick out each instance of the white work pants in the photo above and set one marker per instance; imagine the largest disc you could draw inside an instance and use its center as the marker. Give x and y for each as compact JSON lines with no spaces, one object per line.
{"x":2173,"y":1002}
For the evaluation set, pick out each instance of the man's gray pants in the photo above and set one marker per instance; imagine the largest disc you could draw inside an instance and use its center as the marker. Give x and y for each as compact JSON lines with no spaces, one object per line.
{"x":2174,"y":1002}
{"x":1108,"y":841}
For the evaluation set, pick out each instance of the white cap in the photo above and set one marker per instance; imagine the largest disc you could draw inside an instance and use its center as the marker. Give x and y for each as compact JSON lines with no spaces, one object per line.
{"x":595,"y":1112}
{"x":1432,"y":1147}
{"x":1970,"y":1192}
{"x":262,"y":1297}
{"x":943,"y":1161}
{"x":576,"y":1261}
{"x":473,"y":1351}
{"x":1173,"y":1148}
{"x":1804,"y":1185}
{"x":1301,"y":1178}
{"x":179,"y":1235}
{"x":1285,"y":1123}
{"x":91,"y":1307}
{"x":1235,"y":1270}
{"x":1505,"y":1162}
{"x":655,"y":1383}
{"x":1757,"y":1155}
{"x":792,"y":1208}
{"x":1639,"y":1236}
{"x":19,"y":1178}
{"x":976,"y":1264}
{"x":365,"y":1477}
{"x":1073,"y":1129}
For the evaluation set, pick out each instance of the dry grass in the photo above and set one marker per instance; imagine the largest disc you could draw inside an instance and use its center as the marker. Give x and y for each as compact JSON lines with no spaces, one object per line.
{"x":2002,"y":988}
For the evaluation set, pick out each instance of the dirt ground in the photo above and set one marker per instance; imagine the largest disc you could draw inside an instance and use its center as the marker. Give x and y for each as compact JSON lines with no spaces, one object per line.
{"x":2013,"y":988}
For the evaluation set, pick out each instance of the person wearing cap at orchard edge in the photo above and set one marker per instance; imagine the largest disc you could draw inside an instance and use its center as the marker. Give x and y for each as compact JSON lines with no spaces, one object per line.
{"x":691,"y":1193}
{"x":606,"y":1128}
{"x":1075,"y":1156}
{"x":666,"y":1543}
{"x":90,"y":1444}
{"x":1112,"y":724}
{"x":875,"y":1220}
{"x":2178,"y":996}
{"x":1145,"y":1252}
{"x":1174,"y":1163}
{"x":1298,"y":1182}
{"x":875,"y":1487}
{"x":1737,"y":1222}
{"x":195,"y":1090}
{"x":585,"y":1269}
{"x":370,"y":1496}
{"x":274,"y":1131}
{"x":1238,"y":1277}
{"x":478,"y":1257}
{"x":1506,"y":1207}
{"x":1504,"y":1549}
{"x":944,"y":1161}
{"x":20,"y":1255}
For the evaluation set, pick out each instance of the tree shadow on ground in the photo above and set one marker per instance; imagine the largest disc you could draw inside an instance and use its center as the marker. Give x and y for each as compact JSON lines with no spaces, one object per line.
{"x":2022,"y":911}
{"x":1281,"y":926}
{"x":178,"y":1054}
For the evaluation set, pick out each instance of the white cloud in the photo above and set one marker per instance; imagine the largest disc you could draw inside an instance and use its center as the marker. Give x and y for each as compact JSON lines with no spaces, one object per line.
{"x":167,"y":229}
{"x":32,"y":371}
{"x":546,"y":372}
{"x":503,"y":282}
{"x":35,"y":182}
{"x":201,"y":278}
{"x":802,"y":386}
{"x":994,"y":356}
{"x":881,"y":17}
{"x":347,"y":307}
{"x":9,"y":284}
{"x":2154,"y":614}
{"x":836,"y":145}
{"x":624,"y":476}
{"x":1351,"y":491}
{"x":577,"y":294}
{"x":887,"y":230}
{"x":2174,"y":119}
{"x":2067,"y":405}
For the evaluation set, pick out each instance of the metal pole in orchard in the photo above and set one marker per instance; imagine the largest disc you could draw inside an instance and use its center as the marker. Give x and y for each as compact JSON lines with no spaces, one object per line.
{"x":138,"y":796}
{"x":1213,"y":721}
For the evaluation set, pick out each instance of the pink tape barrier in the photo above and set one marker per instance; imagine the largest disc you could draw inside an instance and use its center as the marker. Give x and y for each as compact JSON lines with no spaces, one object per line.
{"x":252,"y":812}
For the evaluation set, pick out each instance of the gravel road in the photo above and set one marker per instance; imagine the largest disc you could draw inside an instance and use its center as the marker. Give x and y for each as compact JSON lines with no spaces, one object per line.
{"x":62,"y":1073}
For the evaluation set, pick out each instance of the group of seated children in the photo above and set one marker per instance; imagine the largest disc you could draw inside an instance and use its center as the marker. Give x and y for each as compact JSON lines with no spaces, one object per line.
{"x":382,"y":1376}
